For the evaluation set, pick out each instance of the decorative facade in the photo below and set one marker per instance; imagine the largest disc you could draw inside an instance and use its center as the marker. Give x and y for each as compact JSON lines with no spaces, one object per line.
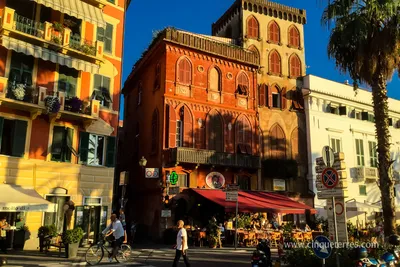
{"x":275,"y":34}
{"x":60,"y":81}
{"x":190,"y":110}
{"x":339,"y":117}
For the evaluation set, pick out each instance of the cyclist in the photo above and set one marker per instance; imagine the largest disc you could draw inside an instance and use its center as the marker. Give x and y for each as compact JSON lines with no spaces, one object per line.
{"x":115,"y":229}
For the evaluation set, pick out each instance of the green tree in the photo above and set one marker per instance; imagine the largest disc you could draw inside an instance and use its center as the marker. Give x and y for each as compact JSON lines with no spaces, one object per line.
{"x":364,"y":41}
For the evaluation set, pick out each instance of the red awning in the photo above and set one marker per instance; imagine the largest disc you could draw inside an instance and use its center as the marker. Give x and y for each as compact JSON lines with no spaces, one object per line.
{"x":253,"y":201}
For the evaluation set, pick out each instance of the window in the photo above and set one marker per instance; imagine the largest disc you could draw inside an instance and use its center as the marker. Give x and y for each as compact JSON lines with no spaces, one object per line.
{"x":244,"y":182}
{"x":243,"y":135}
{"x":215,"y":132}
{"x":179,"y":134}
{"x":274,"y":63}
{"x":101,"y":90}
{"x":215,"y":80}
{"x":67,"y":81}
{"x":360,"y":152}
{"x":184,"y":71}
{"x":106,"y":36}
{"x":254,"y":49}
{"x":154,"y":132}
{"x":61,"y":147}
{"x":20,"y":73}
{"x":295,"y":66}
{"x":356,"y":114}
{"x":294,"y":37}
{"x":336,"y":144}
{"x":252,"y":27}
{"x":243,"y":84}
{"x":12,"y":137}
{"x":277,"y":143}
{"x":276,"y":97}
{"x":183,"y":180}
{"x":140,"y":92}
{"x":274,"y":34}
{"x":371,"y":117}
{"x":157,"y":80}
{"x":111,"y":1}
{"x":96,"y":150}
{"x":373,"y":157}
{"x":362,"y":189}
{"x":333,"y":109}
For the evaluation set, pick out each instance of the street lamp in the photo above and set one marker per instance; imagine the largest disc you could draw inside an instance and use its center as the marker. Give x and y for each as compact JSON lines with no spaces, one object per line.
{"x":143,"y":162}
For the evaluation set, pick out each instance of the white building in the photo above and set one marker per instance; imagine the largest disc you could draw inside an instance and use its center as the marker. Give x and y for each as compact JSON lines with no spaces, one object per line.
{"x":342,"y":118}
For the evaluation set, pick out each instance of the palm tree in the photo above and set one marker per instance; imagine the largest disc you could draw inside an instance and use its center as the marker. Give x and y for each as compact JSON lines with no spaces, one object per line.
{"x":364,"y":41}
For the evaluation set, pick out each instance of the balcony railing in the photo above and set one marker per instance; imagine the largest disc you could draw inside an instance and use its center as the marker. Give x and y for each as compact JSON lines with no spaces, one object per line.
{"x":58,"y":38}
{"x":210,"y":157}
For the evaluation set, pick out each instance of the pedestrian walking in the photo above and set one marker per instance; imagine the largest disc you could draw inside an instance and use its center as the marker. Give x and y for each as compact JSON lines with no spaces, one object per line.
{"x":3,"y":235}
{"x":181,"y":245}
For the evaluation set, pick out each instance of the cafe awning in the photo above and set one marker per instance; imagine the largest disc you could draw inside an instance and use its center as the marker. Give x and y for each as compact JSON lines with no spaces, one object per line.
{"x":15,"y":198}
{"x":77,"y":9}
{"x":253,"y":201}
{"x":47,"y":54}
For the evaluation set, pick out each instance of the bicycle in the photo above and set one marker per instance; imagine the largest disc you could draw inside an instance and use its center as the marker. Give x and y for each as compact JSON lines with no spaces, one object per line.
{"x":95,"y":253}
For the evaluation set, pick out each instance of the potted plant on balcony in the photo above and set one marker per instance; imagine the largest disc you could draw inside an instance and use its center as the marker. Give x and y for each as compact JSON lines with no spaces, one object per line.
{"x":19,"y":91}
{"x":58,"y":28}
{"x":52,"y":104}
{"x":73,"y":104}
{"x":56,"y":40}
{"x":71,"y":239}
{"x":88,"y":49}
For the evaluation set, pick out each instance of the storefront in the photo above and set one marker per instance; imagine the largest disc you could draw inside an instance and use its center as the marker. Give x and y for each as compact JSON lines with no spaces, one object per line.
{"x":16,"y":203}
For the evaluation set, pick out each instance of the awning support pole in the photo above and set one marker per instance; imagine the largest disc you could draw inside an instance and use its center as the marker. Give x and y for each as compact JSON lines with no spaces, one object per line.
{"x":236,"y":222}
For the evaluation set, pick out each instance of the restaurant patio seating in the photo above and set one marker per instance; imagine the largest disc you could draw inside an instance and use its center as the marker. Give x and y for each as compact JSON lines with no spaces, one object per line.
{"x":298,"y":236}
{"x":307,"y":236}
{"x":275,"y":238}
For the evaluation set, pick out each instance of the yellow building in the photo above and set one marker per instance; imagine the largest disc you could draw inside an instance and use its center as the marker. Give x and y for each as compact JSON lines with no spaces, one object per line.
{"x":275,"y":33}
{"x":60,"y":77}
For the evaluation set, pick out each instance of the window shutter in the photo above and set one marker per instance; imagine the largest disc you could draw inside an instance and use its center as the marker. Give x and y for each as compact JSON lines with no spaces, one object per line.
{"x":172,"y":127}
{"x":58,"y":141}
{"x":69,"y":144}
{"x":83,"y":147}
{"x":100,"y":34}
{"x":19,"y":134}
{"x":187,"y":128}
{"x":269,"y":93}
{"x":364,"y":116}
{"x":108,"y":38}
{"x":342,"y":110}
{"x":283,"y":98}
{"x":110,"y":152}
{"x":261,"y":95}
{"x":1,"y":129}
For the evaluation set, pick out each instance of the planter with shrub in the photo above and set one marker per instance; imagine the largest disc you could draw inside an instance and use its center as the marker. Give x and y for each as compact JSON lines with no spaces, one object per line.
{"x":71,"y":239}
{"x":45,"y":233}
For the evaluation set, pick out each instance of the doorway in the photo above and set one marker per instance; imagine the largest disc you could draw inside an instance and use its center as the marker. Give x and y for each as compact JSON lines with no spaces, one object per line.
{"x":57,"y":218}
{"x":88,"y":218}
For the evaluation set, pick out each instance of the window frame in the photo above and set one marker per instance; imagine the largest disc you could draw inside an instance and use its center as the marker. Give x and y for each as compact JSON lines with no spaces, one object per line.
{"x":104,"y":152}
{"x":274,"y":37}
{"x":179,"y":133}
{"x":360,"y":153}
{"x":184,"y":76}
{"x":18,"y":127}
{"x":373,"y":154}
{"x":294,"y":41}
{"x":295,"y":71}
{"x":103,"y":101}
{"x":102,"y":36}
{"x":64,"y":146}
{"x":253,"y":28}
{"x":275,"y":66}
{"x":68,"y":83}
{"x":362,"y":190}
{"x":334,"y":142}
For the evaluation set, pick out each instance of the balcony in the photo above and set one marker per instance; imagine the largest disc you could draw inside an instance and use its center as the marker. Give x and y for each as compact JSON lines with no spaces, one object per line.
{"x":31,"y":99}
{"x":209,"y":157}
{"x":50,"y":36}
{"x":366,"y":173}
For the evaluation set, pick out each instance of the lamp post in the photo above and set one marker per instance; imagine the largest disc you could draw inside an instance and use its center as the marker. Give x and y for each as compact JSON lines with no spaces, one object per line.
{"x":143,"y":162}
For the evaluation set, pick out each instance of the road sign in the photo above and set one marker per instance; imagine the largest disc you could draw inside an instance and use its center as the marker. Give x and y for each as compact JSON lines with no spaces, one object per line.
{"x":151,"y":172}
{"x":329,"y":193}
{"x":166,"y":213}
{"x":330,"y":178}
{"x":339,"y":156}
{"x":341,"y":184}
{"x":342,"y":175}
{"x":328,"y":156}
{"x":339,"y":165}
{"x":322,"y":247}
{"x":231,"y":196}
{"x":232,"y":187}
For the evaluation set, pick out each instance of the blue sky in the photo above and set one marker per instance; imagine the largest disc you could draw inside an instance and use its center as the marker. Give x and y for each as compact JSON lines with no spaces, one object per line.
{"x":144,"y":17}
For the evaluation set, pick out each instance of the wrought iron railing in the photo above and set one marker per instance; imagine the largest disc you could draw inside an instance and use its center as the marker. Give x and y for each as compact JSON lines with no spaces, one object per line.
{"x":29,"y":26}
{"x":210,"y":157}
{"x":82,"y":45}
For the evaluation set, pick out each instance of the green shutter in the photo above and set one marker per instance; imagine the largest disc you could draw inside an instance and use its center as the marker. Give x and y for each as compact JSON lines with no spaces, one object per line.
{"x":1,"y":129}
{"x":19,"y":138}
{"x":100,"y":34}
{"x":68,"y":148}
{"x":83,"y":147}
{"x":97,"y":82}
{"x":108,"y":38}
{"x":57,"y":144}
{"x":110,"y":154}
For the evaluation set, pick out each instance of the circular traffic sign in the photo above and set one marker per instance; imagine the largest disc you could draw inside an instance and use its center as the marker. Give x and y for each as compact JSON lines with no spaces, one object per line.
{"x":330,"y":178}
{"x":339,"y":208}
{"x":328,"y":156}
{"x":322,"y":247}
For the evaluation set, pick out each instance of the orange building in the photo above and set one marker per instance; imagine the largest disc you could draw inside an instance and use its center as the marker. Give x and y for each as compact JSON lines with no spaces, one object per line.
{"x":190,"y":111}
{"x":60,"y":81}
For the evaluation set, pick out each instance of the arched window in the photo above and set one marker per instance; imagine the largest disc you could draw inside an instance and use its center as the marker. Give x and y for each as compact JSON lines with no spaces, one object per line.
{"x":154,"y":132}
{"x":215,"y":79}
{"x":274,"y":63}
{"x":252,"y":27}
{"x":243,"y":84}
{"x":243,"y":135}
{"x":277,"y":142}
{"x":295,"y":66}
{"x":294,"y":36}
{"x":274,"y":32}
{"x":184,"y":71}
{"x":215,"y":132}
{"x":157,"y":79}
{"x":276,"y":97}
{"x":254,"y":49}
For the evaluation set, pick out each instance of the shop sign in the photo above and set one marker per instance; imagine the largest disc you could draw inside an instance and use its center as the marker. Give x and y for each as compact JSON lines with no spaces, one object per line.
{"x":229,"y":225}
{"x":166,"y":213}
{"x":279,"y":185}
{"x":215,"y":180}
{"x":173,"y":178}
{"x":231,"y":196}
{"x":151,"y":172}
{"x":16,"y":207}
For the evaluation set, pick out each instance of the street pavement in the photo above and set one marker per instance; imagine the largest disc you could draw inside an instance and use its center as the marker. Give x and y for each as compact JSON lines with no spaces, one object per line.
{"x":147,"y":257}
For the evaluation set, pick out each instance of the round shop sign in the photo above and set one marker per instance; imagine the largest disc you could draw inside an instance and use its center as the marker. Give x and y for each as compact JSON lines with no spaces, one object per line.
{"x":215,"y":180}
